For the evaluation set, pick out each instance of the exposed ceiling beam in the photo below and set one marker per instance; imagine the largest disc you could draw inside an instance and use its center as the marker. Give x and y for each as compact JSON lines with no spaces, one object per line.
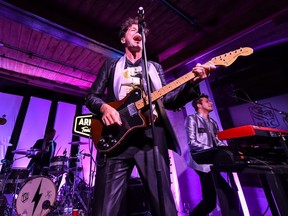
{"x":42,"y":83}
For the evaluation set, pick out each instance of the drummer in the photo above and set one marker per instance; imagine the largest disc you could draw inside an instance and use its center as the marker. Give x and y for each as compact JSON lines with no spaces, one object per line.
{"x":44,"y":151}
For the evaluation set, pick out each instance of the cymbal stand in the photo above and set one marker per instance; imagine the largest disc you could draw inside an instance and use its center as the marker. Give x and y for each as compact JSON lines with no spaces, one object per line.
{"x":15,"y":192}
{"x":7,"y":172}
{"x":72,"y":191}
{"x":76,"y":176}
{"x":91,"y":174}
{"x":12,"y":208}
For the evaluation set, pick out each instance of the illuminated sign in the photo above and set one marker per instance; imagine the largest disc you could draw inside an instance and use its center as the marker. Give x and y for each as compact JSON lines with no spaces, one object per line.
{"x":82,"y":125}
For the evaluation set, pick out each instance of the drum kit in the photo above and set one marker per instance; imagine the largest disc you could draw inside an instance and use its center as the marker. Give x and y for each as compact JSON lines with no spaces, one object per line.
{"x":58,"y":191}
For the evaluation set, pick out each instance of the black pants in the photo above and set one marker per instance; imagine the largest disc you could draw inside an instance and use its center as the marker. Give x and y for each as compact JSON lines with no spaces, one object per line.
{"x":113,"y":174}
{"x":208,"y":202}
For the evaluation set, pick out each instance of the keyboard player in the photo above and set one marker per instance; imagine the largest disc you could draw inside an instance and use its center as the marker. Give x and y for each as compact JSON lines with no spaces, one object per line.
{"x":201,"y":133}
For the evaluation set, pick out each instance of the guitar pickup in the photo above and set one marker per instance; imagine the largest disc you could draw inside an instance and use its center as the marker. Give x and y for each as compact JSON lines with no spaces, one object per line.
{"x":132,"y":109}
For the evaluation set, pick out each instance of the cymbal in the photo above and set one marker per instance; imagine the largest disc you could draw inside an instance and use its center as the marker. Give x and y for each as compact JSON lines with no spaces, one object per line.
{"x":27,"y":152}
{"x":77,"y":143}
{"x":6,"y":144}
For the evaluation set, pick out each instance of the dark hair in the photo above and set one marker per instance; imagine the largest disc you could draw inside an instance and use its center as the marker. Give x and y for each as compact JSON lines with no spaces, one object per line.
{"x":198,"y":100}
{"x":129,"y":22}
{"x":50,"y":130}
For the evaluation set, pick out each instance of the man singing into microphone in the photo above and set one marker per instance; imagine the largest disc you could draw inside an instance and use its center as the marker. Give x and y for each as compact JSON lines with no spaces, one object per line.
{"x":117,"y":78}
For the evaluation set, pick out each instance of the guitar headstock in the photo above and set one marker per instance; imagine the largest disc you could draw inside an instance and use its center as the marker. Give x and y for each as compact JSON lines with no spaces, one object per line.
{"x":228,"y":58}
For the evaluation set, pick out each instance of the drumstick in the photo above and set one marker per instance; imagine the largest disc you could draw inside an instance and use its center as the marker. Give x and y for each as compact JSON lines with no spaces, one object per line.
{"x":56,"y":137}
{"x":58,"y":151}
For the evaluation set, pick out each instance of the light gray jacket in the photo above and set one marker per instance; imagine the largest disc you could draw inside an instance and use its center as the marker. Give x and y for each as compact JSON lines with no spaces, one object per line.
{"x":201,"y":133}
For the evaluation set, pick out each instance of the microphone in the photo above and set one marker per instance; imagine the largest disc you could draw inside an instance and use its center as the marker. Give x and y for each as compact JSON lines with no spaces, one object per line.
{"x":141,"y":15}
{"x":141,"y":22}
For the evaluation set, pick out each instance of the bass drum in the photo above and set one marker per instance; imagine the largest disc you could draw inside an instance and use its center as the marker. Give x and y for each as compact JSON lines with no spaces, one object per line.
{"x":36,"y":197}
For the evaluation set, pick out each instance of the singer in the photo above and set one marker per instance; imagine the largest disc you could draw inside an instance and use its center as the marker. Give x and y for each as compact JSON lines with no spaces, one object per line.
{"x":46,"y":148}
{"x":114,"y":169}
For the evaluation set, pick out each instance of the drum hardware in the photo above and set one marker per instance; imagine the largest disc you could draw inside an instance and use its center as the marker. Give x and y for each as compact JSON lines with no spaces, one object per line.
{"x":77,"y":143}
{"x":15,"y":192}
{"x":76,"y":170}
{"x":68,"y":196}
{"x":70,"y":190}
{"x":74,"y":194}
{"x":21,"y":173}
{"x":81,"y":199}
{"x":69,"y":199}
{"x":13,"y":179}
{"x":3,"y":205}
{"x":12,"y":183}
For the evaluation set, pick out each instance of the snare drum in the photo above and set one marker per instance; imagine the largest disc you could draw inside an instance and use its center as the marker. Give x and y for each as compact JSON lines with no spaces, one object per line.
{"x":58,"y":165}
{"x":36,"y":197}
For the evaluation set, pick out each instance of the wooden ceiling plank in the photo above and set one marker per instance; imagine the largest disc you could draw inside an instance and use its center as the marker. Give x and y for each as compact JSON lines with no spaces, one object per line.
{"x":15,"y":40}
{"x":81,"y":60}
{"x":45,"y":40}
{"x":60,"y":32}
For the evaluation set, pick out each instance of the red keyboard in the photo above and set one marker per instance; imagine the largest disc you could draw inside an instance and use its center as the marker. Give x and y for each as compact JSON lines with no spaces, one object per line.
{"x":250,"y":130}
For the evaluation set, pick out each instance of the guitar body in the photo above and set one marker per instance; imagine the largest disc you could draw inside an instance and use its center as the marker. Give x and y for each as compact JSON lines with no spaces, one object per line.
{"x":108,"y":138}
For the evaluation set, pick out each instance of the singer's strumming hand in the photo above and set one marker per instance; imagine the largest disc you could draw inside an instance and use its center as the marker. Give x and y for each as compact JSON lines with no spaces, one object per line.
{"x":110,"y":115}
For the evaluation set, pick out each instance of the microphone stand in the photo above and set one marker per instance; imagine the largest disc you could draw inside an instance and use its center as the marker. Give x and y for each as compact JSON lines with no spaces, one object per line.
{"x":147,"y":87}
{"x":90,"y":192}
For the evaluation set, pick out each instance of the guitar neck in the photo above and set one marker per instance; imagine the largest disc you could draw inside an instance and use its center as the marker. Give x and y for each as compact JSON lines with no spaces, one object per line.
{"x":167,"y":88}
{"x":164,"y":90}
{"x":221,"y":60}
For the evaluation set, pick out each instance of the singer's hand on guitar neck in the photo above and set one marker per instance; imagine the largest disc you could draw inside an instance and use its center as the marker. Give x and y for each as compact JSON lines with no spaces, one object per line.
{"x":202,"y":71}
{"x":110,"y":115}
